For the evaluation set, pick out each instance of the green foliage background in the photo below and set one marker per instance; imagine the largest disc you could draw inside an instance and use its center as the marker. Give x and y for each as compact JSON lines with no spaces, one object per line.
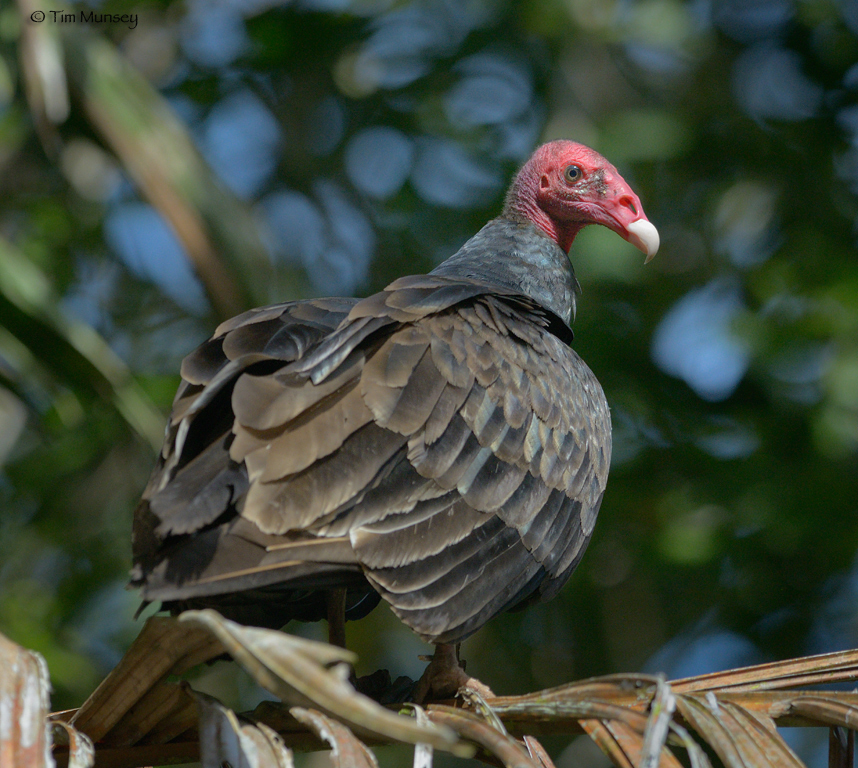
{"x":325,"y":146}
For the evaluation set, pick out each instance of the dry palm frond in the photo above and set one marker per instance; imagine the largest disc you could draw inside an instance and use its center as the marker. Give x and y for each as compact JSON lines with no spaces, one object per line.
{"x":25,"y":732}
{"x":137,"y":716}
{"x":224,"y":736}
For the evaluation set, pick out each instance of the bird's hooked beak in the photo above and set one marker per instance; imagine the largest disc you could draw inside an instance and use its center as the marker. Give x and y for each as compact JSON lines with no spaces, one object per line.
{"x":643,"y":235}
{"x":625,"y":216}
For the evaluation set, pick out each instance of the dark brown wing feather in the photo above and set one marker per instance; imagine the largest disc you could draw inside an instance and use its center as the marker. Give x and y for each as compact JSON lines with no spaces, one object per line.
{"x":438,"y":443}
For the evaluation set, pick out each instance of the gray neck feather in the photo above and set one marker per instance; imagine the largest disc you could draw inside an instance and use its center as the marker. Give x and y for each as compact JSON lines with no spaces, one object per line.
{"x":519,"y":257}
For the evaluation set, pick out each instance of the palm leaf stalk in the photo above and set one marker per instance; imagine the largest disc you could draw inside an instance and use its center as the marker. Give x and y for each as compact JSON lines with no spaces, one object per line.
{"x":138,"y":715}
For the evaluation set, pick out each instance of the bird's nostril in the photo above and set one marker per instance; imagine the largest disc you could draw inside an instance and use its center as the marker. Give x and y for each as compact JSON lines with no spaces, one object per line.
{"x":629,"y":203}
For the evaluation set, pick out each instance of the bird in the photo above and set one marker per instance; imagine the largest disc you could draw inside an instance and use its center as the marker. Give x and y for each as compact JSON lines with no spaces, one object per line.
{"x":437,"y":445}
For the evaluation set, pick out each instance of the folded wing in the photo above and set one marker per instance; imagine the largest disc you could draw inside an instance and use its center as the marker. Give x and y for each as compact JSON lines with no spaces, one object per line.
{"x":438,"y":444}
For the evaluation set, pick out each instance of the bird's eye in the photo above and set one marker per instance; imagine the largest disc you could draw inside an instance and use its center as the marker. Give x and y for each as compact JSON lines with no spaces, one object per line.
{"x":572,"y":173}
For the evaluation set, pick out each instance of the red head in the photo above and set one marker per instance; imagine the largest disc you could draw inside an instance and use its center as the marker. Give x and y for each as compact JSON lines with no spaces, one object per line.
{"x":566,"y":186}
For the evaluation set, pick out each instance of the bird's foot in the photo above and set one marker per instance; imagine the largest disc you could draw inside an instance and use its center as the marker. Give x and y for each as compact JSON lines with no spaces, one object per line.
{"x":374,"y":685}
{"x":445,"y":676}
{"x":381,"y":688}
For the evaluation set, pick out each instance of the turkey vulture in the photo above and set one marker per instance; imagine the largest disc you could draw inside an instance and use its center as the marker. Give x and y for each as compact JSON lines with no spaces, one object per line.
{"x":438,"y":445}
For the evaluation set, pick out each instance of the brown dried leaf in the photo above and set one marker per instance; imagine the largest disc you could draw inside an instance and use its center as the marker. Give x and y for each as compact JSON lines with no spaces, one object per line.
{"x":760,"y":731}
{"x":136,"y":685}
{"x":478,"y":704}
{"x":533,"y":709}
{"x":157,"y":710}
{"x":612,"y":742}
{"x":608,"y":689}
{"x":838,"y":667}
{"x":658,"y":726}
{"x":696,"y":756}
{"x":296,"y":670}
{"x":475,"y":729}
{"x":737,"y":736}
{"x":700,"y":717}
{"x":633,"y":744}
{"x":25,"y":695}
{"x":347,"y":750}
{"x":81,"y":753}
{"x":268,"y":742}
{"x":537,"y":752}
{"x":826,"y":711}
{"x":225,"y":741}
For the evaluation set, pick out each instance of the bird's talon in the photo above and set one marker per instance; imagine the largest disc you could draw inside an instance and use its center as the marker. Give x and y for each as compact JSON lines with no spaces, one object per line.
{"x":445,"y":677}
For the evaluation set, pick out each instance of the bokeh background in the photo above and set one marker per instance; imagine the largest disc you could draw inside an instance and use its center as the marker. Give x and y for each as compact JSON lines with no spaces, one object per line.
{"x":160,"y":174}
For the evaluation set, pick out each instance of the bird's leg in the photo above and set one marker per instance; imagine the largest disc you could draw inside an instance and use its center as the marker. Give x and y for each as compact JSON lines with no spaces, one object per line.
{"x":336,"y":605}
{"x":371,"y":685}
{"x":445,"y":675}
{"x":336,"y":599}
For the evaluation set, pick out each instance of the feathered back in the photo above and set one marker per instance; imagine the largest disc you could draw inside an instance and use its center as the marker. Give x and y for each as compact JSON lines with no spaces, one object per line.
{"x":438,"y":443}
